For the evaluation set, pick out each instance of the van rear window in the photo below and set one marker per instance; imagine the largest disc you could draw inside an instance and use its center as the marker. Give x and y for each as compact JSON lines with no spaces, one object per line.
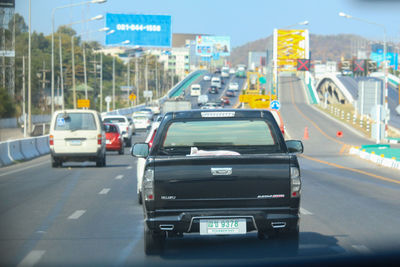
{"x":75,"y":121}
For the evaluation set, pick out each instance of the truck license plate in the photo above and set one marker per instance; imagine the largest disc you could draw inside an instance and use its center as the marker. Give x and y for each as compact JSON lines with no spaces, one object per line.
{"x":222,"y":226}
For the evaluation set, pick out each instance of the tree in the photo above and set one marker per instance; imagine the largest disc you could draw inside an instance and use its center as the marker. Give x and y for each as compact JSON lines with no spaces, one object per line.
{"x":20,"y":25}
{"x":7,"y":107}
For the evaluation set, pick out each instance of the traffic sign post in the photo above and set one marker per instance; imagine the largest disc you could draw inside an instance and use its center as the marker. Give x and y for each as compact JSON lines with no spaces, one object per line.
{"x":108,"y":100}
{"x":83,"y":103}
{"x":132,"y":97}
{"x":275,"y":105}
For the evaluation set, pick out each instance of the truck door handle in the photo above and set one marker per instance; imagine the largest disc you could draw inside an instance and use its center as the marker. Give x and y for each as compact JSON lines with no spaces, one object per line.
{"x":221,"y":171}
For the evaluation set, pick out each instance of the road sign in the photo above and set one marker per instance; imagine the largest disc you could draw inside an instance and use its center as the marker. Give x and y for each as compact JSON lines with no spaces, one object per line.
{"x":275,"y":105}
{"x":262,"y":80}
{"x":303,"y":64}
{"x":83,"y":103}
{"x":108,"y":99}
{"x":358,"y":66}
{"x":132,"y":97}
{"x":148,"y":94}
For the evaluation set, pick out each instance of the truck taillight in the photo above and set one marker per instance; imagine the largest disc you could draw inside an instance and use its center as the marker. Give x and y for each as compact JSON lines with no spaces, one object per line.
{"x":51,"y":140}
{"x":152,"y":139}
{"x":99,"y":139}
{"x":295,"y":182}
{"x":127,"y":128}
{"x":148,"y":184}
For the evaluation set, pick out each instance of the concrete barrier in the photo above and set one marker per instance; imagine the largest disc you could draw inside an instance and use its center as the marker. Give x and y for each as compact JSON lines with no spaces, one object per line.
{"x":42,"y":145}
{"x":5,"y":154}
{"x":15,"y":150}
{"x":28,"y":148}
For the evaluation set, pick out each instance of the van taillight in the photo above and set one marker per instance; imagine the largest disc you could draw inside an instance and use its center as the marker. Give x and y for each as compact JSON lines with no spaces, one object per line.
{"x":51,"y":140}
{"x":152,"y":139}
{"x":99,"y":139}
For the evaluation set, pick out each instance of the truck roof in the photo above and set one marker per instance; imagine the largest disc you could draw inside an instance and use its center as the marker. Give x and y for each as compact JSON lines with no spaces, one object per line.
{"x":221,"y":113}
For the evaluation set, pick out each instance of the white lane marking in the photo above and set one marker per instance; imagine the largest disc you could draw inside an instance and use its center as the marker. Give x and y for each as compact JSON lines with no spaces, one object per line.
{"x":118,"y":177}
{"x":25,"y":168}
{"x":362,"y":249}
{"x":129,"y":167}
{"x":76,"y":214}
{"x":104,"y":191}
{"x":305,"y":212}
{"x":32,"y":258}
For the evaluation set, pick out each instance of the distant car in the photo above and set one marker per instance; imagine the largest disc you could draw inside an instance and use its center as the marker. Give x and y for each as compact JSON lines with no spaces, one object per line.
{"x":225,"y":100}
{"x":114,"y":139}
{"x":206,"y":77}
{"x":147,"y":111}
{"x":155,"y":109}
{"x":211,"y":105}
{"x":195,"y":90}
{"x":213,"y":90}
{"x":217,"y":71}
{"x":141,"y":161}
{"x":125,"y":127}
{"x":216,"y":81}
{"x":202,"y":99}
{"x":142,"y":122}
{"x":230,"y":93}
{"x":232,"y":71}
{"x":233,"y":86}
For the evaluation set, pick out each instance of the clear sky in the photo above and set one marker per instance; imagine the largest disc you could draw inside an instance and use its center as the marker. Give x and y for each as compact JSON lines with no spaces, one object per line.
{"x":242,"y":20}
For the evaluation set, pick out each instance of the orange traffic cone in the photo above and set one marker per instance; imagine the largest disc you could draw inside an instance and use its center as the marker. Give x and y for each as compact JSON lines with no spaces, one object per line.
{"x":305,"y":137}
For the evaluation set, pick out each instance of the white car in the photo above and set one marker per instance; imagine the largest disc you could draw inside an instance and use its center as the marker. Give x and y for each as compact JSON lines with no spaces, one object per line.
{"x":206,"y":77}
{"x":141,"y":161}
{"x":141,"y":120}
{"x":126,"y":127}
{"x":232,"y":71}
{"x":233,"y":86}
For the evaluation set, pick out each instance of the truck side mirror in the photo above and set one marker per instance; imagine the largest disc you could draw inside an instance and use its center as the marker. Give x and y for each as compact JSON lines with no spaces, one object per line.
{"x":140,"y":150}
{"x":295,"y":146}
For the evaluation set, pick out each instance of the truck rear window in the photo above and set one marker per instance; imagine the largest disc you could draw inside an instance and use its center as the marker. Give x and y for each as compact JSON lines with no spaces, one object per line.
{"x":220,"y":134}
{"x":114,"y":120}
{"x":75,"y":121}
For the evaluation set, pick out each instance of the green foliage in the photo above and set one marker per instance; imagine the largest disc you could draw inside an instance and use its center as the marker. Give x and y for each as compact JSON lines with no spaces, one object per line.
{"x":7,"y":107}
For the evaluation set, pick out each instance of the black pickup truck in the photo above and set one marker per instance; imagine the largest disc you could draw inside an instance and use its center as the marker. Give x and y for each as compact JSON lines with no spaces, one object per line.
{"x":220,"y":172}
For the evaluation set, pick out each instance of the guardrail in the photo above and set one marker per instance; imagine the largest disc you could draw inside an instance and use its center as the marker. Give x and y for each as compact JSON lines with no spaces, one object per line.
{"x":23,"y":149}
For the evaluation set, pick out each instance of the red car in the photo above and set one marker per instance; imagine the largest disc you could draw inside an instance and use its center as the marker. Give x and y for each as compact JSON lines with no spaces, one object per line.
{"x":225,"y":100}
{"x":114,"y":139}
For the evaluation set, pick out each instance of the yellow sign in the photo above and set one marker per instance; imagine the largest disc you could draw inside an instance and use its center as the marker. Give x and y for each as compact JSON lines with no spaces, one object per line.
{"x":83,"y":103}
{"x":132,"y":97}
{"x":253,"y":98}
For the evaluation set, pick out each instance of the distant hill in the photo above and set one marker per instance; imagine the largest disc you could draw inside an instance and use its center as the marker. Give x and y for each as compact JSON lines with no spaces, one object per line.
{"x":323,"y":47}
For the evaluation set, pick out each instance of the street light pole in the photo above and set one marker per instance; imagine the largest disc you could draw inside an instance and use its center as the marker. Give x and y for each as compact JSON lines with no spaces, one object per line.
{"x":29,"y":75}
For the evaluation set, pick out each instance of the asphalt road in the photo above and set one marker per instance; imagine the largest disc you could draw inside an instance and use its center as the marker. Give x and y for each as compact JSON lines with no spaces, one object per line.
{"x":83,"y":215}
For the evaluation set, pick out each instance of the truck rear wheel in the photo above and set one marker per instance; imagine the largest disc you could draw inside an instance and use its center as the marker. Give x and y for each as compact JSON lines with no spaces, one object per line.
{"x":153,"y":241}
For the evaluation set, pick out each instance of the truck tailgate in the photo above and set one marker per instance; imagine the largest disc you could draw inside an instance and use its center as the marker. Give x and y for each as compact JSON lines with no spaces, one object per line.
{"x":225,"y":181}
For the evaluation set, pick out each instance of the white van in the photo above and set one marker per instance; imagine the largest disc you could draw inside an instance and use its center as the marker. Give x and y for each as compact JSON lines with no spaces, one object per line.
{"x":216,"y":81}
{"x":202,"y":99}
{"x":195,"y":90}
{"x":77,"y":135}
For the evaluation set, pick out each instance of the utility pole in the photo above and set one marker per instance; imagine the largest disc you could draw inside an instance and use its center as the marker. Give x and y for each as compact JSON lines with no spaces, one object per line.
{"x":128,"y":79}
{"x":29,"y":74}
{"x":146,"y":78}
{"x":73,"y":71}
{"x":23,"y":94}
{"x":61,"y":73}
{"x":95,"y":76}
{"x":113,"y":83}
{"x":101,"y":82}
{"x":157,"y":95}
{"x":84,"y":69}
{"x":137,"y":80}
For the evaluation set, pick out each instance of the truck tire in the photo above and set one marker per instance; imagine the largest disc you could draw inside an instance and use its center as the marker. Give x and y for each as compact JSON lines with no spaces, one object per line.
{"x":153,"y":242}
{"x":55,"y":163}
{"x":101,"y":161}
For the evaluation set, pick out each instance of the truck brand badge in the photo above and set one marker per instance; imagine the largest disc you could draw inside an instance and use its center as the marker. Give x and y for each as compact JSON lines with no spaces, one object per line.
{"x":168,"y":197}
{"x":271,"y":196}
{"x":221,"y":171}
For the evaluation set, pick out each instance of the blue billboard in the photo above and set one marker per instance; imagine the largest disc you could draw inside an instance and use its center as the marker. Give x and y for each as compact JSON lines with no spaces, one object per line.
{"x":215,"y":46}
{"x":392,"y":59}
{"x":139,"y":30}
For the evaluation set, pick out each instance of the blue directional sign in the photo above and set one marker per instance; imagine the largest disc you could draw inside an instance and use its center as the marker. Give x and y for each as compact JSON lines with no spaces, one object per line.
{"x":275,"y":105}
{"x":139,"y":30}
